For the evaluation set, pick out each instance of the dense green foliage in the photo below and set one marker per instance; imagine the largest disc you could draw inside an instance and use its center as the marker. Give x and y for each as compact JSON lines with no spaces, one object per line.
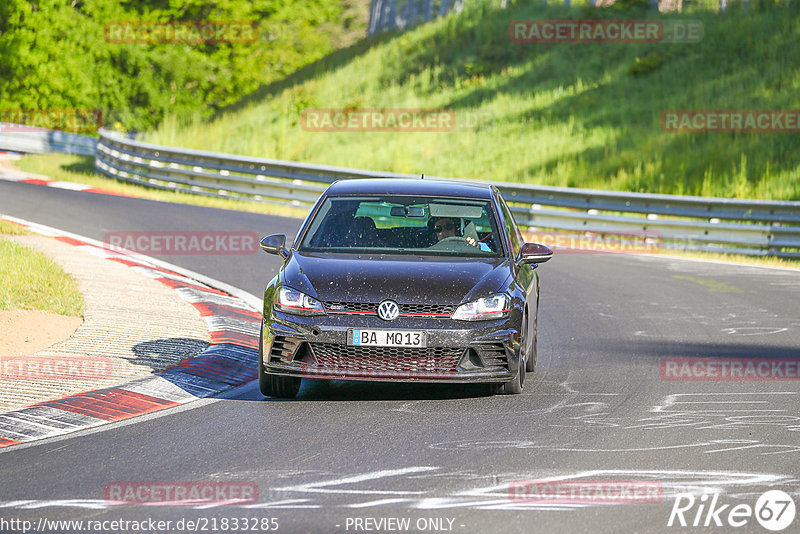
{"x":585,"y":115}
{"x":54,"y":54}
{"x":578,"y":114}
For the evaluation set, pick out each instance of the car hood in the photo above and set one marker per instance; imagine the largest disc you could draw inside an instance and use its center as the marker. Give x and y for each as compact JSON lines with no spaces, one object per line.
{"x":406,"y":279}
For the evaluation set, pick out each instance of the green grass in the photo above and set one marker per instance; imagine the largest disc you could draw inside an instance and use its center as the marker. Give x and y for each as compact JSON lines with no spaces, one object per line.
{"x":30,"y":280}
{"x":583,"y":115}
{"x":770,"y":261}
{"x":80,"y":169}
{"x":9,"y":228}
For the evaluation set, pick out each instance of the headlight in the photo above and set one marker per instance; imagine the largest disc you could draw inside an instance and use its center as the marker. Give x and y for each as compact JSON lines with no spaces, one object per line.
{"x":293,"y":301}
{"x":492,"y":307}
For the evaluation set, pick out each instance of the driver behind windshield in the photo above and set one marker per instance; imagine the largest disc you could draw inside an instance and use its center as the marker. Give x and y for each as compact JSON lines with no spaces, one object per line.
{"x":444,"y":227}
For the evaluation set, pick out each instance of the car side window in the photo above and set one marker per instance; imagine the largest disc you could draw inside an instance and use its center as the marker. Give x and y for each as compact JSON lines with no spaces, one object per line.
{"x":514,"y":235}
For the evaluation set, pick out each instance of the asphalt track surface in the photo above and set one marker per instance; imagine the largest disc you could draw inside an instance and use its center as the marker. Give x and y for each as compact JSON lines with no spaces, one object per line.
{"x":597,"y":408}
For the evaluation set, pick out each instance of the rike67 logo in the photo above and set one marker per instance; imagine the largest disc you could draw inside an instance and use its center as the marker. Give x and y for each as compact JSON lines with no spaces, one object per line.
{"x":774,"y":510}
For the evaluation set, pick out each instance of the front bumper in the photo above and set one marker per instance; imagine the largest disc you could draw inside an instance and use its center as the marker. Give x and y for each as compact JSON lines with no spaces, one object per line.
{"x":457,"y":351}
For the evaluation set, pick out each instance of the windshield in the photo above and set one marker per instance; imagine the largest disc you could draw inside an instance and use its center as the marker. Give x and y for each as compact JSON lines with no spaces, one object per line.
{"x":404,"y":225}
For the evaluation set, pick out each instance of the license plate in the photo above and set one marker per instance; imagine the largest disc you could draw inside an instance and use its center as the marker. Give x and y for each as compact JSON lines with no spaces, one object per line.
{"x":386,"y":338}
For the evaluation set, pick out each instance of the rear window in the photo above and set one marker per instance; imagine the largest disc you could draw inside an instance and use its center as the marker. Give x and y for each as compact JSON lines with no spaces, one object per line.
{"x":404,"y":225}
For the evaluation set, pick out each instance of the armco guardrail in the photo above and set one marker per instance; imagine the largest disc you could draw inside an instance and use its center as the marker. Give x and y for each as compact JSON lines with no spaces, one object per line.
{"x":755,"y":227}
{"x":41,"y":141}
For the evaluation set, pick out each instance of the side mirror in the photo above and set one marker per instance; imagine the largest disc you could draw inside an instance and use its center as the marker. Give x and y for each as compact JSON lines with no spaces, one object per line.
{"x":275,"y":244}
{"x":534,"y":253}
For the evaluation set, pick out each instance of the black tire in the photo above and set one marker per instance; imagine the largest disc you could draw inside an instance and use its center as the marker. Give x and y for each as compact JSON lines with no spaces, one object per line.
{"x":515,"y":386}
{"x":491,"y":390}
{"x":532,"y":346}
{"x":282,"y":387}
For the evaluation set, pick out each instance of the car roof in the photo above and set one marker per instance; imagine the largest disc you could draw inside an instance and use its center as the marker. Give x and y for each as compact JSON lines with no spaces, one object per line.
{"x":408,"y":186}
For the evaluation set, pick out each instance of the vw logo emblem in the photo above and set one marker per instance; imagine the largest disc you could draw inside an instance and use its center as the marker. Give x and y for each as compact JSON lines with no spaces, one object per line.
{"x":388,"y":310}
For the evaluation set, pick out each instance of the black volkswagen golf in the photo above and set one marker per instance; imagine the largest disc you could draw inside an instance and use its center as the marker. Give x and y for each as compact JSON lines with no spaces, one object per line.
{"x":402,"y":280}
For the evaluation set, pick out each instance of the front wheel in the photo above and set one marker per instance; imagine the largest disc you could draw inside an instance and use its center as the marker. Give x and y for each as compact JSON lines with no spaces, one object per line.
{"x":532,"y":350}
{"x":282,"y":387}
{"x":518,"y":384}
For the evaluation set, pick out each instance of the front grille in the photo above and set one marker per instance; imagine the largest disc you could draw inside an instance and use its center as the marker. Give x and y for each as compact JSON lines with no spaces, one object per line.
{"x":370,"y":308}
{"x":386,"y":359}
{"x":366,"y":308}
{"x":426,"y":309}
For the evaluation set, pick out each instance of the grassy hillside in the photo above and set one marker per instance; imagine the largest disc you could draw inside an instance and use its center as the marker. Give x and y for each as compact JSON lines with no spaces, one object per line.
{"x":578,"y":114}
